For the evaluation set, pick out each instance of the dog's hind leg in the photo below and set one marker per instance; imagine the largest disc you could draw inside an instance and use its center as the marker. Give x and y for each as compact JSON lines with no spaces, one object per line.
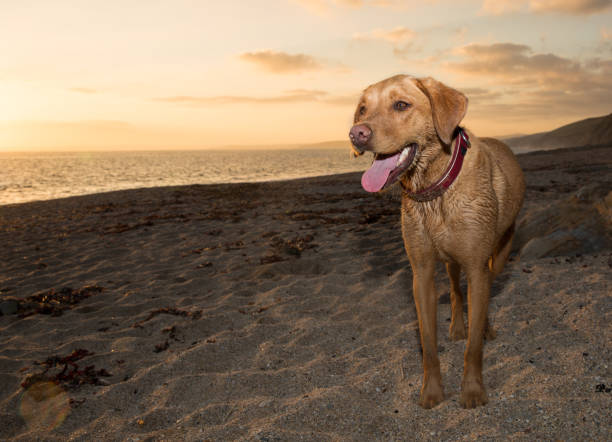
{"x":456,"y":330}
{"x":496,"y":265}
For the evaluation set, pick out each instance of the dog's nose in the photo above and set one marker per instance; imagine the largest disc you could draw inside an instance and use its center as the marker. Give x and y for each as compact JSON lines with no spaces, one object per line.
{"x":360,"y":134}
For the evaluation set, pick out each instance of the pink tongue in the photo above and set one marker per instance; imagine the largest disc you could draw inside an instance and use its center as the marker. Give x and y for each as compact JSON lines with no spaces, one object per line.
{"x":376,"y":176}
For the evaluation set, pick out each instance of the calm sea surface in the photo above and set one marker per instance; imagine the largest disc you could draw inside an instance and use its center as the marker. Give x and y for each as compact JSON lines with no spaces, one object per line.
{"x":41,"y":176}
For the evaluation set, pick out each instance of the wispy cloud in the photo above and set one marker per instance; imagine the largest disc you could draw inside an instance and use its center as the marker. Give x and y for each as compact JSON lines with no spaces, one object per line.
{"x":98,"y":124}
{"x":291,"y":96}
{"x":324,"y":7}
{"x":401,"y":38}
{"x":351,"y":3}
{"x":571,"y":7}
{"x":492,"y":7}
{"x":478,"y":95}
{"x":398,"y":35}
{"x":605,"y":42}
{"x":499,"y":7}
{"x":343,"y":100}
{"x":282,"y":62}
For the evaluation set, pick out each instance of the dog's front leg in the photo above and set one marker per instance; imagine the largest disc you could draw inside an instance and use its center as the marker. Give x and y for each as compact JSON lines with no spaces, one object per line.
{"x":473,"y":392}
{"x":426,"y":301}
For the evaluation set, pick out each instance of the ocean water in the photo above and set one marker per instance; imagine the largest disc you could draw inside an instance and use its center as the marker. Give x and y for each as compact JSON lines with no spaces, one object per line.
{"x":41,"y":176}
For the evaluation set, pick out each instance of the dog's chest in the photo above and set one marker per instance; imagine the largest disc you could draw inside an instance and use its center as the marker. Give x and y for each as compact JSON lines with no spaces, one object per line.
{"x":433,"y":227}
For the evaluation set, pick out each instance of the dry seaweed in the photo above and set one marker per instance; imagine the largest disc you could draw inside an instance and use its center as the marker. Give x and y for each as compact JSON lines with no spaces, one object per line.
{"x":161,"y":347}
{"x":54,"y":302}
{"x":270,"y":259}
{"x":294,"y":246}
{"x":63,"y":370}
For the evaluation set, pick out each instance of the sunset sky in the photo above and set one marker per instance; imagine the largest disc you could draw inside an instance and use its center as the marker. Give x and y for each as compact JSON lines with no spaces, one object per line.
{"x":78,"y":74}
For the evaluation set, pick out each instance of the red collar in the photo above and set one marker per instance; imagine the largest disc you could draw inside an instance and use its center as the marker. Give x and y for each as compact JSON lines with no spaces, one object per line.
{"x":449,"y":175}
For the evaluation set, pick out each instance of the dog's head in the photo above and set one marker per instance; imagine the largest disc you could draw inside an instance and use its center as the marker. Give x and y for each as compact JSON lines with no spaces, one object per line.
{"x":399,"y":119}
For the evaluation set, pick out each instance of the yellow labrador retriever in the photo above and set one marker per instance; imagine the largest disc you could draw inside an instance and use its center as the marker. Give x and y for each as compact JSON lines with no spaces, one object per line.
{"x":461,"y":195}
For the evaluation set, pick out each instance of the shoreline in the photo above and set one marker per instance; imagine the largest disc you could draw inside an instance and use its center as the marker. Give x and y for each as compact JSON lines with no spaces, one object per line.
{"x":178,"y":187}
{"x":544,"y":152}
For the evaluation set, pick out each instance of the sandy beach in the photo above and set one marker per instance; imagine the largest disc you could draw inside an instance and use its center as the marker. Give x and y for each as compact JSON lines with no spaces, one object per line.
{"x":283,"y":311}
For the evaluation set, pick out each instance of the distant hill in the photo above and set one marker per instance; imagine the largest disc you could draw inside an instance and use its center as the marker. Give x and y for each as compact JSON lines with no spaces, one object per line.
{"x":592,"y":131}
{"x":595,"y":131}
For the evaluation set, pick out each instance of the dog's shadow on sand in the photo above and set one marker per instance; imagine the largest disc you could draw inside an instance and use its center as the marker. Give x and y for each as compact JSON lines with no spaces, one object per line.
{"x":497,"y":287}
{"x":384,"y":255}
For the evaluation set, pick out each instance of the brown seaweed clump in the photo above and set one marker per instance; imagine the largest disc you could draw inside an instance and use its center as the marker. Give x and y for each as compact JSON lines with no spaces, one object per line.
{"x":54,"y":302}
{"x":64,"y":370}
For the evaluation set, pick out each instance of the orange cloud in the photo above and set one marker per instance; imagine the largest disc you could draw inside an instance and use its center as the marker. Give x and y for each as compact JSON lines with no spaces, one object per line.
{"x":572,"y":7}
{"x":400,"y":37}
{"x":512,"y":61}
{"x":281,"y":62}
{"x":499,"y":7}
{"x":351,"y":3}
{"x":537,"y":83}
{"x":292,"y":96}
{"x":323,"y":7}
{"x":478,"y":95}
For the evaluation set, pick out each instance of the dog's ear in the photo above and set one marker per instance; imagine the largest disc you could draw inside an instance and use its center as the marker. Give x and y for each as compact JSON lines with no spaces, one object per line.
{"x":448,"y":106}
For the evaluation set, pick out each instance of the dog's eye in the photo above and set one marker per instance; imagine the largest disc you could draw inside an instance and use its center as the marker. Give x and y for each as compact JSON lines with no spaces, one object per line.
{"x":400,"y":105}
{"x":362,"y":110}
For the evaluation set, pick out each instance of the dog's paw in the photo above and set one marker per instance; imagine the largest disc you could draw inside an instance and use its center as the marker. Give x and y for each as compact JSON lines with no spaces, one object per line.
{"x":473,"y":395}
{"x":456,"y":331}
{"x":431,"y":396}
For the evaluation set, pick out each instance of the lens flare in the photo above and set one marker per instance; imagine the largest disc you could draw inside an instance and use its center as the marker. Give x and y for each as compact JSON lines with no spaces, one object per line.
{"x":44,"y":406}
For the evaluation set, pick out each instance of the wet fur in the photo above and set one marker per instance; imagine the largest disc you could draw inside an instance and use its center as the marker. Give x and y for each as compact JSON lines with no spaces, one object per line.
{"x":470,"y":227}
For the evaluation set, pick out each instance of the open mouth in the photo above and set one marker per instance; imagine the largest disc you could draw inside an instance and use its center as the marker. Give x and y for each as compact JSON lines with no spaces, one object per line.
{"x":386,"y":169}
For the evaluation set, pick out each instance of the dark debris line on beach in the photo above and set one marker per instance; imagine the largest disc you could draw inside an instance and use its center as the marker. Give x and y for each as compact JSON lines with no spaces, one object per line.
{"x":64,"y":371}
{"x":51,"y":302}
